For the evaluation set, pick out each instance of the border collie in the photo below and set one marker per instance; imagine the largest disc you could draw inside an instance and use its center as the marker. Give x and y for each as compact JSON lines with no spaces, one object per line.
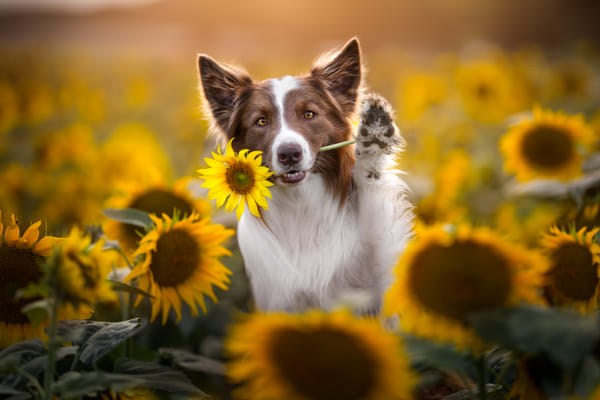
{"x":338,"y":219}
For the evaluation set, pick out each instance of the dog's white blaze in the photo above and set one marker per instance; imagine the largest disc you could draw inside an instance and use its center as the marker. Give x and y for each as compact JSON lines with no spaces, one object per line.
{"x":281,"y":87}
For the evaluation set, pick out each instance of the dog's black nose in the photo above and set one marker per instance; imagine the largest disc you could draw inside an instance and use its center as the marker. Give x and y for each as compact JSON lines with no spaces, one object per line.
{"x":289,"y":154}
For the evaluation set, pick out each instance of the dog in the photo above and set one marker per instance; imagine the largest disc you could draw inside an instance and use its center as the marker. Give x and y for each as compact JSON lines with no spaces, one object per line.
{"x":338,"y":219}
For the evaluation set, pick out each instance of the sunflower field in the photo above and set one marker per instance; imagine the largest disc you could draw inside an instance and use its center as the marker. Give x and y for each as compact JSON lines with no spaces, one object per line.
{"x":120,"y":276}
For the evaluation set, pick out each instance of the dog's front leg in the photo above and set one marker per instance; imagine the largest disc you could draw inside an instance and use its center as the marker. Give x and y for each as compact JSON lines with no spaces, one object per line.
{"x":384,"y":216}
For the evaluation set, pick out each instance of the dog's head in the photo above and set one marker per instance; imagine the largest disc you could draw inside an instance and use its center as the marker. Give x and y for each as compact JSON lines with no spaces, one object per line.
{"x":290,"y":118}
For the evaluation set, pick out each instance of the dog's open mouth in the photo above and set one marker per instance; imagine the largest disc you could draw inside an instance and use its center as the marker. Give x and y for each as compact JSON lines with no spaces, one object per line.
{"x":293,"y":176}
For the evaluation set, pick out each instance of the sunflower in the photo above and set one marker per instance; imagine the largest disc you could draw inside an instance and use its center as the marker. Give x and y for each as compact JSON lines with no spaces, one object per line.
{"x":81,"y":270}
{"x":20,"y":258}
{"x":548,"y":146}
{"x":419,"y":92}
{"x":132,"y":153}
{"x":452,"y":181}
{"x":181,"y":263}
{"x":155,"y":198}
{"x":447,"y":273}
{"x":490,"y":91}
{"x":574,"y":275}
{"x":237,"y":178}
{"x":316,"y":356}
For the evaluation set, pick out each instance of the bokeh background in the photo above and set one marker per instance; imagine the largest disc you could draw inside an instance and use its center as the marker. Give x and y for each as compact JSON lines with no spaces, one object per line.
{"x":99,"y":104}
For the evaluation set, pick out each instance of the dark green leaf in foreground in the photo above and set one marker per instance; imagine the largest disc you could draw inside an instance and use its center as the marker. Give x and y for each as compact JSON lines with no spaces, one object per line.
{"x":193,"y":362}
{"x":130,"y":216}
{"x":107,"y":338}
{"x":76,"y":384}
{"x":77,"y":331}
{"x":20,"y":353}
{"x":158,"y":377}
{"x":429,"y":354}
{"x":565,"y":336}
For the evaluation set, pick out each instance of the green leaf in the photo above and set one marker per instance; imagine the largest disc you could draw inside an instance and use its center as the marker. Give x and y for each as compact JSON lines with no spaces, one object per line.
{"x":494,"y":392}
{"x":4,"y":390}
{"x":429,"y":354}
{"x":130,"y":216}
{"x":158,"y":377}
{"x":124,"y":287}
{"x":35,"y":367}
{"x":76,"y":384}
{"x":565,"y":336}
{"x":20,"y":353}
{"x":37,"y":311}
{"x":588,"y":377}
{"x":78,"y":331}
{"x":107,"y":338}
{"x":193,"y":362}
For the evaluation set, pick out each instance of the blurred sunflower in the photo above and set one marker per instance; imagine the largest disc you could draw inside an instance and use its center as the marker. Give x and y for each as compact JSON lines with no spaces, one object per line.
{"x":489,"y":90}
{"x":574,"y":275}
{"x":9,"y":107}
{"x":452,"y":179}
{"x":316,"y":356}
{"x":20,"y":258}
{"x":445,"y":275}
{"x":522,"y":223}
{"x":587,"y":216}
{"x":420,"y":91}
{"x":548,"y":146}
{"x":80,"y":271}
{"x":237,"y":178}
{"x":181,"y":262}
{"x":132,"y":153}
{"x":155,"y":198}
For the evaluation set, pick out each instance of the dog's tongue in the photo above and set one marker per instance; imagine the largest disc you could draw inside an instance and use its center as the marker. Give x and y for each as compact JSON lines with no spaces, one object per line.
{"x":293,"y":177}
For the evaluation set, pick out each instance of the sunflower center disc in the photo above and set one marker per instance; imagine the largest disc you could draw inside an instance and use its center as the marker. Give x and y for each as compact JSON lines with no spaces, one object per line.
{"x":240,"y":178}
{"x":461,"y":279}
{"x":176,"y":258}
{"x":19,"y":268}
{"x":324,"y":364}
{"x":573,"y":272}
{"x":547,"y":147}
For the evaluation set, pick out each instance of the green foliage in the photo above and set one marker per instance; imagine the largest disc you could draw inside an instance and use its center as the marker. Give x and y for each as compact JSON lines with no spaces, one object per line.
{"x":565,"y":336}
{"x":23,"y":364}
{"x":130,"y":216}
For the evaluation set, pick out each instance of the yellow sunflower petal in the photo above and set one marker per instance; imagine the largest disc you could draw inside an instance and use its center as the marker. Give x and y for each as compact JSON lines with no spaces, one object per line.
{"x":12,"y":232}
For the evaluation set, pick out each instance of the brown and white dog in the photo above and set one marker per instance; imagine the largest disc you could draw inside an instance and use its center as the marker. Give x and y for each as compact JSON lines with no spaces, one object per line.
{"x":338,"y":219}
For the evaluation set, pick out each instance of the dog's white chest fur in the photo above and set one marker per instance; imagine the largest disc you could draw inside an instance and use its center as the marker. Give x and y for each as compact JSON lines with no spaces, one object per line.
{"x":308,"y":252}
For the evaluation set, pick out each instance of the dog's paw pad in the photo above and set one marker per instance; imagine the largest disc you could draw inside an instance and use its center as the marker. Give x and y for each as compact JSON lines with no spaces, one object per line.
{"x":377,"y":132}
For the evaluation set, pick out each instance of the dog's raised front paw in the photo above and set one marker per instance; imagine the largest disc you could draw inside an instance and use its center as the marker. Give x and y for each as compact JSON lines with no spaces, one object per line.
{"x":377,"y":132}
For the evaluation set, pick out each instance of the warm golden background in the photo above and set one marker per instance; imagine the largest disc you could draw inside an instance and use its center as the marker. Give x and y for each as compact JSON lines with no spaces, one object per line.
{"x":92,"y":95}
{"x":99,"y":108}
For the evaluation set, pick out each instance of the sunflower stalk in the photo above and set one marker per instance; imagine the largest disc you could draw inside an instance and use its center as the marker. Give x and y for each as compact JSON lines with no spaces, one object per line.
{"x":52,"y":346}
{"x":482,"y":381}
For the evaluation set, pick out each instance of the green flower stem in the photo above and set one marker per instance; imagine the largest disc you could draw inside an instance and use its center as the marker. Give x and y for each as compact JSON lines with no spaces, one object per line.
{"x":52,"y":342}
{"x":337,"y":145}
{"x":33,"y":380}
{"x":482,"y":384}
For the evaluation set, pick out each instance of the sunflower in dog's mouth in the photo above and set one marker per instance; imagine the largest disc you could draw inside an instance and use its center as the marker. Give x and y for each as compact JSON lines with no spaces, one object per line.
{"x":237,"y":179}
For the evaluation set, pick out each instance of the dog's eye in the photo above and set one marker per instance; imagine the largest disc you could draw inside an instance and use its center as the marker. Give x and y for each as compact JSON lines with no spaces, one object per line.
{"x":309,"y":114}
{"x":262,"y":121}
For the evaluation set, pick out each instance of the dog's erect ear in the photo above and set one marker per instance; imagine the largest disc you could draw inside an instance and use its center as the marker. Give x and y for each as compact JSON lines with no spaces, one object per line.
{"x":220,"y":86}
{"x":341,"y":72}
